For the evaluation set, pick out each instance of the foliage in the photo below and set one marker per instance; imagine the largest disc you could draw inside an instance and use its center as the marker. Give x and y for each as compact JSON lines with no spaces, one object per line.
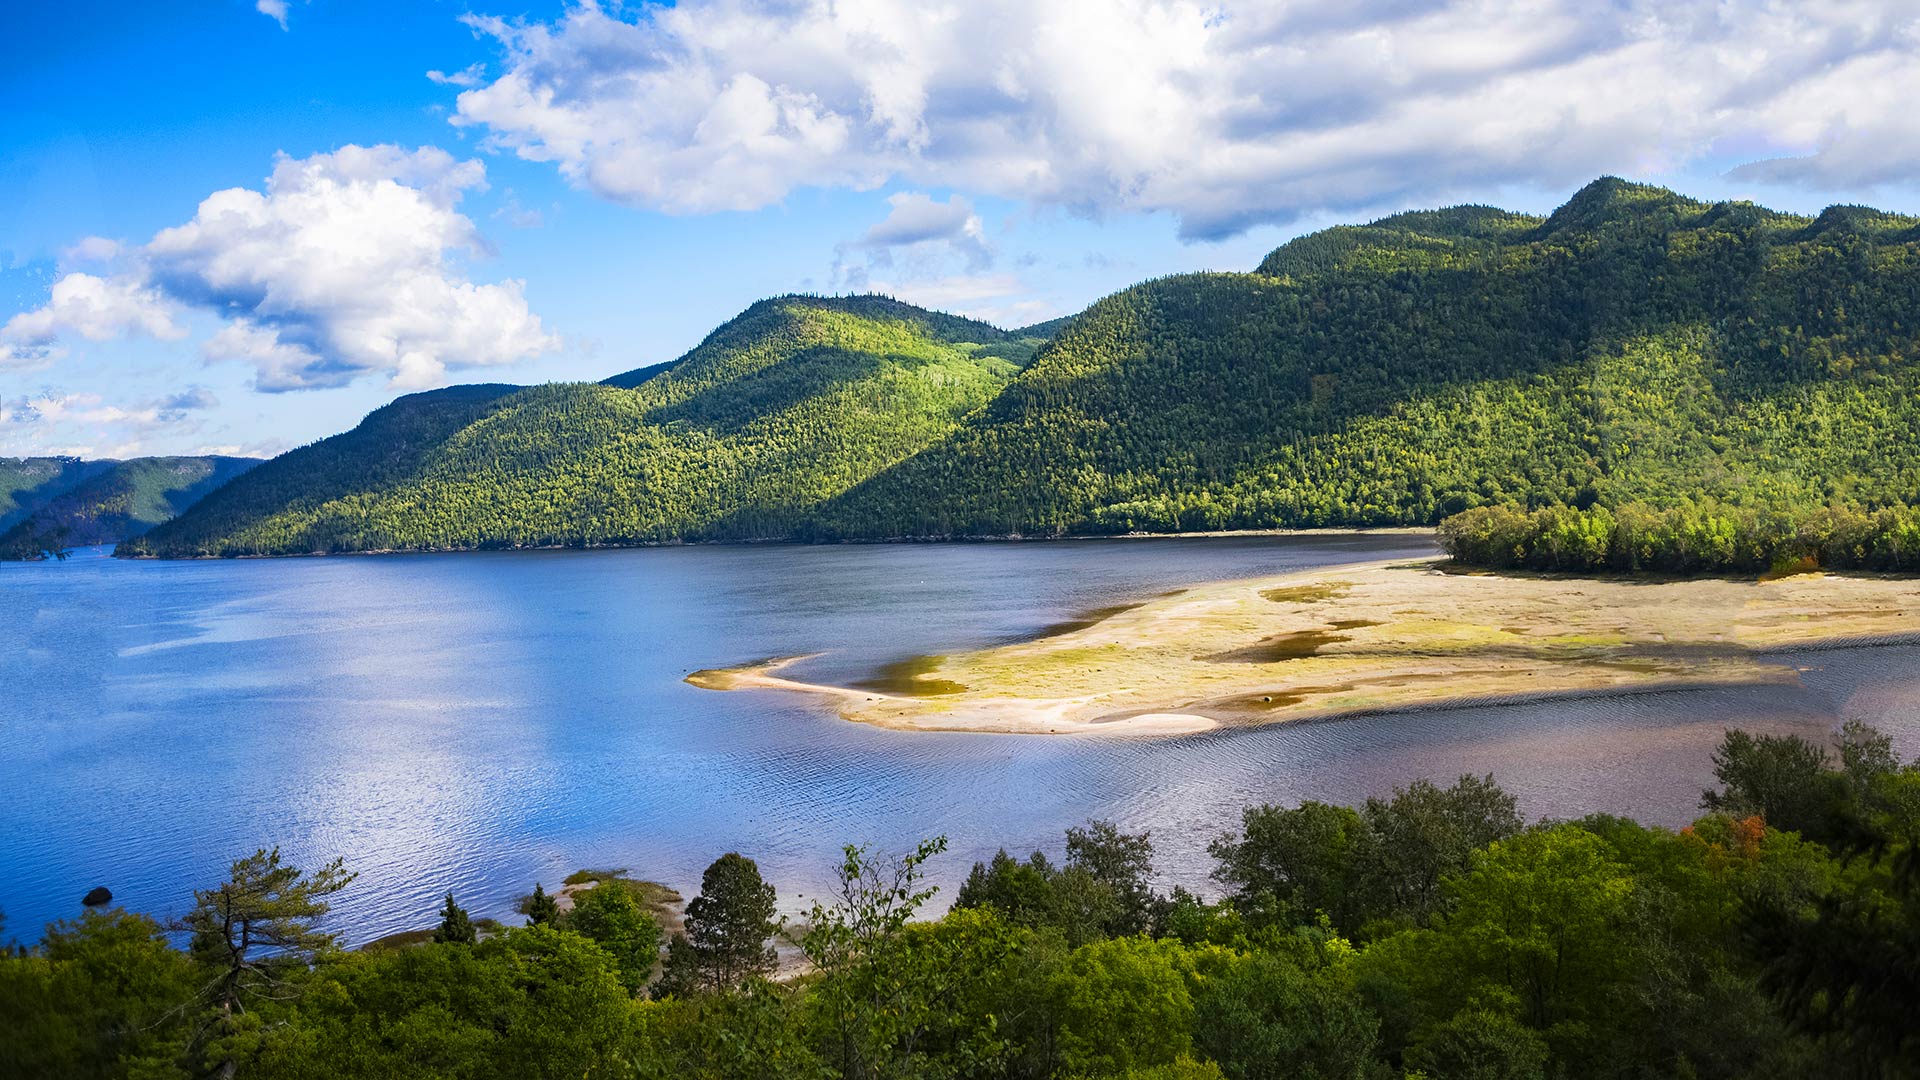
{"x":1732,"y":949}
{"x":1384,"y":862}
{"x":1689,"y":537}
{"x":612,"y":917}
{"x":1634,"y":350}
{"x":256,"y":933}
{"x":541,"y":909}
{"x":455,"y":928}
{"x":1100,"y":891}
{"x":124,"y":500}
{"x":786,"y":406}
{"x":727,"y":928}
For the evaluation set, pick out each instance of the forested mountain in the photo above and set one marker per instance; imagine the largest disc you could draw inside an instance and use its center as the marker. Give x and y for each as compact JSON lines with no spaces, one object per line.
{"x":1634,"y":346}
{"x":788,"y":405}
{"x":27,"y":484}
{"x":116,"y":500}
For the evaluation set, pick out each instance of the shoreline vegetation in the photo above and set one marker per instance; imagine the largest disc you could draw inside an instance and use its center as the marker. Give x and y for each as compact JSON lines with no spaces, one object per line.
{"x":1429,"y":932}
{"x":781,"y":541}
{"x":1365,"y":638}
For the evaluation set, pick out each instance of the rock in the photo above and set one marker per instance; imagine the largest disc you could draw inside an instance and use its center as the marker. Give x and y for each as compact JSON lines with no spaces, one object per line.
{"x":96,"y":896}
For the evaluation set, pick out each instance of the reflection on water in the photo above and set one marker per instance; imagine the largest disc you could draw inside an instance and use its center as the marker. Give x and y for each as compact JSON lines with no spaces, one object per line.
{"x":479,"y":722}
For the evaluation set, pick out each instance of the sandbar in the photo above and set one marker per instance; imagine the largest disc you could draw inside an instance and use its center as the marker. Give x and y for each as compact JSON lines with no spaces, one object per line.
{"x":1368,"y":637}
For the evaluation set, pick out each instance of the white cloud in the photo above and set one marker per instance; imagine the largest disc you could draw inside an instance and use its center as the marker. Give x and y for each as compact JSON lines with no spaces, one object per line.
{"x":88,"y":425}
{"x":1225,"y":114}
{"x":91,"y":249}
{"x":1002,"y":299}
{"x":920,"y":238}
{"x":916,"y":218}
{"x":95,"y":308}
{"x":273,"y":9}
{"x":343,"y":266}
{"x":471,"y":75}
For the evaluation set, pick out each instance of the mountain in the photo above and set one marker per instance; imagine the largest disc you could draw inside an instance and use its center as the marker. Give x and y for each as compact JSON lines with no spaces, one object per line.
{"x":115,"y":501}
{"x":784,"y":407}
{"x":26,"y":484}
{"x":1635,"y":345}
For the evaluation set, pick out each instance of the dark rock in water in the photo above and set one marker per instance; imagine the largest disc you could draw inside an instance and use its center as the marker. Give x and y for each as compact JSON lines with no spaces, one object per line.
{"x":96,"y":896}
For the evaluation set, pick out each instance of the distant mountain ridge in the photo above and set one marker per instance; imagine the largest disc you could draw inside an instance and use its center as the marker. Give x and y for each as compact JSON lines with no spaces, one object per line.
{"x":109,"y":501}
{"x":1633,"y":345}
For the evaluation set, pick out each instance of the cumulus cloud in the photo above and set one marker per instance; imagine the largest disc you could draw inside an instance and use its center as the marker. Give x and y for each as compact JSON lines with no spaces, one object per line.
{"x":921,"y":237}
{"x":273,"y":9}
{"x":915,"y":218}
{"x":95,"y":308}
{"x":344,"y":265}
{"x":1224,"y":114}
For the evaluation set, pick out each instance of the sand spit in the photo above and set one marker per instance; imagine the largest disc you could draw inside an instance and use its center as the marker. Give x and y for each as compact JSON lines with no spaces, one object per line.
{"x":1370,"y":637}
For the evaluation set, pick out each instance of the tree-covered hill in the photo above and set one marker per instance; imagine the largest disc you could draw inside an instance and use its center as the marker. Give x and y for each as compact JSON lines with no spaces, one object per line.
{"x":788,"y":405}
{"x":27,"y":484}
{"x":123,"y":501}
{"x":1633,"y":347}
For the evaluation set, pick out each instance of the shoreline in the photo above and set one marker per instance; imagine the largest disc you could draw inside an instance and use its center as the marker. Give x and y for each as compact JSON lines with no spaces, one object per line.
{"x":1373,"y":638}
{"x":641,"y":545}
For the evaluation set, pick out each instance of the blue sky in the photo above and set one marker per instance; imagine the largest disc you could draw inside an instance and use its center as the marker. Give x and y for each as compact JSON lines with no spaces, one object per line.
{"x":239,"y":226}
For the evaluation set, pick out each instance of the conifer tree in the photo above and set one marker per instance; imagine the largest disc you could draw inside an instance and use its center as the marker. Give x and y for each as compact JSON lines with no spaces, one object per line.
{"x":728,"y":925}
{"x":455,"y":928}
{"x":541,"y":908}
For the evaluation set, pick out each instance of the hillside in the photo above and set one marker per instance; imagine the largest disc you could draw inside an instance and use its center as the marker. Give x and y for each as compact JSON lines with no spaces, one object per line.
{"x":1634,"y":346}
{"x":122,"y":500}
{"x":26,"y":484}
{"x":787,"y":405}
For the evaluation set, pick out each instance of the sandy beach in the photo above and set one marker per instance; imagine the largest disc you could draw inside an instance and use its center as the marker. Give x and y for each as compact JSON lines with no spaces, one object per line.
{"x":1362,"y":638}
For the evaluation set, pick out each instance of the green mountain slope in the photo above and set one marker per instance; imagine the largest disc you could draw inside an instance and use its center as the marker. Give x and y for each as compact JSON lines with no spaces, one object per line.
{"x":1633,"y":346}
{"x":124,"y":500}
{"x":297,"y":489}
{"x":786,"y":406}
{"x":26,"y":484}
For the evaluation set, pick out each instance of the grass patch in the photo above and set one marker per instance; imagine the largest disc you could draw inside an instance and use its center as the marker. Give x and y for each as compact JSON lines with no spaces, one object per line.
{"x":1308,"y":594}
{"x":908,"y":678}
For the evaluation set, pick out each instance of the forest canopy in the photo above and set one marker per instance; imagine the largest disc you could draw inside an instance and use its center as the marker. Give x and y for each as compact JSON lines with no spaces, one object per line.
{"x":1428,"y":932}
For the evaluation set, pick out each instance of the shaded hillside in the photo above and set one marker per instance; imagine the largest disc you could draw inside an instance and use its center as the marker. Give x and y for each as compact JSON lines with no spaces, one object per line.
{"x":791,"y":403}
{"x":389,"y":448}
{"x":1635,"y":345}
{"x":124,"y":500}
{"x":26,"y":484}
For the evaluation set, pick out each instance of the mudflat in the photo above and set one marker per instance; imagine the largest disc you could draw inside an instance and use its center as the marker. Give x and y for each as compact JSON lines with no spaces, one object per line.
{"x":1363,"y":638}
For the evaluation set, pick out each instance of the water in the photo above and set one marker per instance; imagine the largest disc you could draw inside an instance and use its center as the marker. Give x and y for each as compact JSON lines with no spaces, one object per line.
{"x":481,"y":722}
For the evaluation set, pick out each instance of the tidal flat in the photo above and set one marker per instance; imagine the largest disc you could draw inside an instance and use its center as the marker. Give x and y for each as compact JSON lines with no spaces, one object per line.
{"x":1364,"y":637}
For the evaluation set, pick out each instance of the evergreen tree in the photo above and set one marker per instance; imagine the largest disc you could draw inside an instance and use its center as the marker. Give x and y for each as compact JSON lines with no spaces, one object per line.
{"x":455,"y":928}
{"x":541,"y":908}
{"x":255,"y":932}
{"x":728,"y":925}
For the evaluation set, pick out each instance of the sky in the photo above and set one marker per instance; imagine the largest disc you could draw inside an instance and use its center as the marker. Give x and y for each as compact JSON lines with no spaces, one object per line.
{"x":236,"y":226}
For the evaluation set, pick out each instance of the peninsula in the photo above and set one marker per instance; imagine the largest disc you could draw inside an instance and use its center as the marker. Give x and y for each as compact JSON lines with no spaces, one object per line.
{"x":1364,"y":638}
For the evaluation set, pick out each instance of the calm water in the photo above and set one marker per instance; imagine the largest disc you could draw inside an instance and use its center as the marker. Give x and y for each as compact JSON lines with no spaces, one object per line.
{"x":480,"y":722}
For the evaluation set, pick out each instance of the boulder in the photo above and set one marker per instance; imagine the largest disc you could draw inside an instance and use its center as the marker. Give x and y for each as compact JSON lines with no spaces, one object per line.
{"x":97,"y":895}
